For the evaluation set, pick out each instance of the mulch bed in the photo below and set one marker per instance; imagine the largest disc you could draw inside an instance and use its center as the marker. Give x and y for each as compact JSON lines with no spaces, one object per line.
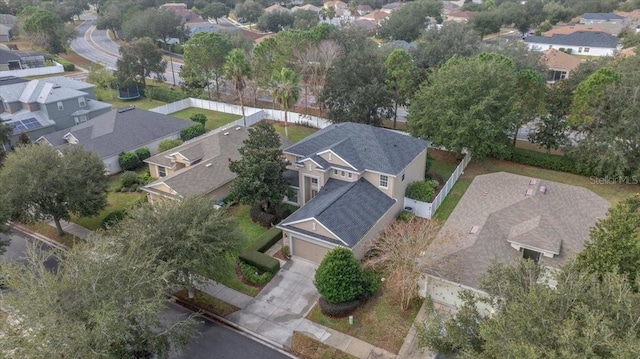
{"x":244,"y":280}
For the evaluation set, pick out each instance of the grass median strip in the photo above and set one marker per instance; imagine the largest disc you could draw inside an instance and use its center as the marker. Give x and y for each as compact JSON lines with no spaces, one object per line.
{"x":306,"y":347}
{"x":204,"y":301}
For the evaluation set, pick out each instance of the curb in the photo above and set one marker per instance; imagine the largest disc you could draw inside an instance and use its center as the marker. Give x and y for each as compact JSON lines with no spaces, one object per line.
{"x":38,"y":236}
{"x":266,"y":341}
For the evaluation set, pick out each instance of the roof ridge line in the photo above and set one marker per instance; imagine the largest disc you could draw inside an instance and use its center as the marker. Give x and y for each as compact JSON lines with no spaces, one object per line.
{"x":349,"y":186}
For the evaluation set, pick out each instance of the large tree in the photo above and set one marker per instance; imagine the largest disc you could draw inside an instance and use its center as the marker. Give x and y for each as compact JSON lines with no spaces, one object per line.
{"x":215,"y":10}
{"x":138,"y":60}
{"x":275,"y":21}
{"x":46,"y":30}
{"x":39,"y":183}
{"x":6,"y":131}
{"x":162,"y":24}
{"x":468,"y":103}
{"x":249,"y":10}
{"x":486,"y":22}
{"x":104,"y":300}
{"x":110,"y":17}
{"x":260,"y":170}
{"x":615,"y":241}
{"x":238,"y":69}
{"x":354,"y":89}
{"x":559,"y":314}
{"x":400,"y":79}
{"x":410,"y":20}
{"x":436,"y":46}
{"x":191,"y":235}
{"x":204,"y":55}
{"x":286,"y":91}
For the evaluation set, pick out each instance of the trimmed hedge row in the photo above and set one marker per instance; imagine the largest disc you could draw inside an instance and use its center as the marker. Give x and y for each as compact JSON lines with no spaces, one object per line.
{"x":165,"y":95}
{"x":66,"y":65}
{"x":263,"y":218}
{"x":547,"y":161}
{"x":254,"y":254}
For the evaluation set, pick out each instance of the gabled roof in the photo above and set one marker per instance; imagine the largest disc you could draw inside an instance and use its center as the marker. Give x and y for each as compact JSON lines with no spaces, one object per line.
{"x":306,"y":7}
{"x":605,"y":16}
{"x":214,"y":150}
{"x":556,"y":59}
{"x":375,"y":15}
{"x":336,"y":3}
{"x":347,"y":209}
{"x":6,"y":56}
{"x":364,"y":147}
{"x":578,"y":38}
{"x":276,"y":7}
{"x":570,"y":29}
{"x":119,"y":131}
{"x":393,"y":5}
{"x":44,"y":90}
{"x":11,"y":80}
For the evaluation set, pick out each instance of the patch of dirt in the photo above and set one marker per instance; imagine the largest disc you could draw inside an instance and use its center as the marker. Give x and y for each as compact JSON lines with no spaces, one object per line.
{"x":306,"y":347}
{"x":279,"y":255}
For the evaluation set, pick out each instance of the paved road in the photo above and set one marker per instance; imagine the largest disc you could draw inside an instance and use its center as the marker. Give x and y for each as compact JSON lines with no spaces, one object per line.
{"x":214,"y":340}
{"x":96,"y":46}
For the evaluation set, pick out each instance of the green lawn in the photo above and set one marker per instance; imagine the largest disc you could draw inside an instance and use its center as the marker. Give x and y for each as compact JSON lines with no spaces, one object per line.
{"x":444,"y":163}
{"x":111,"y":96}
{"x":296,"y":132}
{"x":52,"y":233}
{"x":215,"y":119}
{"x":305,"y":346}
{"x":379,"y":321}
{"x":202,"y":300}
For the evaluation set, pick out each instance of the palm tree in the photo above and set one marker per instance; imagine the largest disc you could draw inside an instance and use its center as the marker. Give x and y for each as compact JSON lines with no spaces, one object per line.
{"x":286,"y":91}
{"x":237,"y":68}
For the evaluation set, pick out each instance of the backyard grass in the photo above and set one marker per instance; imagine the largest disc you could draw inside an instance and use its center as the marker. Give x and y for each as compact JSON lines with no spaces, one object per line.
{"x":305,"y":347}
{"x":51,"y":232}
{"x":444,"y":163}
{"x":215,"y":119}
{"x":296,"y":132}
{"x":533,"y":147}
{"x":77,"y":60}
{"x":204,"y":301}
{"x":3,"y":318}
{"x":111,"y":96}
{"x":379,"y":321}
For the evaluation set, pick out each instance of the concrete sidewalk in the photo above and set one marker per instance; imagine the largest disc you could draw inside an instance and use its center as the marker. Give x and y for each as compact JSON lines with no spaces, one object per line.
{"x":72,"y":228}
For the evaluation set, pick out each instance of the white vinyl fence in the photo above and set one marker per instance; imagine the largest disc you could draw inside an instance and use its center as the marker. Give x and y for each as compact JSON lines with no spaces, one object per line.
{"x":36,"y":71}
{"x":426,"y":209}
{"x":252,"y":114}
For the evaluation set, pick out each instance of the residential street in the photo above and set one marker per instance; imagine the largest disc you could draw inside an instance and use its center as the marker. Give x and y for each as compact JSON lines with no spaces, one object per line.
{"x":213,"y":340}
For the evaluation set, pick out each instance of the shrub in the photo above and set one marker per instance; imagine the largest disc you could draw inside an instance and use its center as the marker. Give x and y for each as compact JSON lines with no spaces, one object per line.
{"x":113,"y":218}
{"x":128,"y":179}
{"x":422,"y":190}
{"x":165,"y":95}
{"x":339,"y":277}
{"x":282,"y":212}
{"x":338,"y":309}
{"x":143,"y":153}
{"x":128,"y":161}
{"x":406,"y":216}
{"x":285,"y":251}
{"x":145,"y":178}
{"x":192,"y":131}
{"x":260,"y":261}
{"x":168,"y":144}
{"x":266,"y":240}
{"x":66,"y":65}
{"x":260,"y":217}
{"x":370,"y":283}
{"x":253,"y":275}
{"x":199,"y":118}
{"x":549,"y":161}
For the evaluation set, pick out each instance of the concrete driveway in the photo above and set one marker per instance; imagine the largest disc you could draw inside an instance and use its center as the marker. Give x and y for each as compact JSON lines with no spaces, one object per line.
{"x":281,"y":306}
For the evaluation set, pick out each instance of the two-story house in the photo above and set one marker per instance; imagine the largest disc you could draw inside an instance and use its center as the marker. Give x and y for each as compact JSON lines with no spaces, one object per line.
{"x":39,"y":107}
{"x":350,"y":181}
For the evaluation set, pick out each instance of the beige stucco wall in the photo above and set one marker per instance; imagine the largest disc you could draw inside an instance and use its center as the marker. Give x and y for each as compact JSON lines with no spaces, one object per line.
{"x":220,"y":192}
{"x":374,"y":179}
{"x":153,"y":170}
{"x":332,"y":158}
{"x":365,"y":244}
{"x":414,"y":172}
{"x":320,"y":230}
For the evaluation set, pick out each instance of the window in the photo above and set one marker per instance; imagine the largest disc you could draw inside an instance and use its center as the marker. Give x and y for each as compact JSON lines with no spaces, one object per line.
{"x":314,"y":181}
{"x":586,"y":49}
{"x":81,"y":101}
{"x":342,"y":173}
{"x":60,"y":106}
{"x":335,"y":172}
{"x":402,"y":176}
{"x":349,"y":174}
{"x":384,"y":181}
{"x":314,"y":192}
{"x":80,"y":119}
{"x":162,"y":171}
{"x":579,"y":50}
{"x":294,"y":195}
{"x":529,"y":254}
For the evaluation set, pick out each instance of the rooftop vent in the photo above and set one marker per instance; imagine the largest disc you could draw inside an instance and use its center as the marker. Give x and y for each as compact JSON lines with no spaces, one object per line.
{"x":208,"y":165}
{"x":238,"y":128}
{"x":543,"y":189}
{"x":56,"y":86}
{"x":474,"y":229}
{"x":125,"y":109}
{"x":226,"y":133}
{"x":533,"y":181}
{"x":529,"y":192}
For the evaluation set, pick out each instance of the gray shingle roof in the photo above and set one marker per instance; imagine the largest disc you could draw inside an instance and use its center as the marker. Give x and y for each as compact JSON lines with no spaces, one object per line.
{"x":578,"y":38}
{"x":348,"y":209}
{"x":364,"y":147}
{"x":44,"y":90}
{"x":120,"y":130}
{"x":216,"y":150}
{"x":606,"y":16}
{"x":6,"y":56}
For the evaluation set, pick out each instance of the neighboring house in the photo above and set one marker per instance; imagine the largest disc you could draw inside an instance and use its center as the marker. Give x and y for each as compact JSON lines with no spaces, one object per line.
{"x":369,"y":26}
{"x":338,"y":5}
{"x":449,"y":7}
{"x":599,"y":18}
{"x":363,"y":9}
{"x":180,"y":9}
{"x":9,"y":60}
{"x":459,"y":16}
{"x":570,"y":29}
{"x":391,"y":7}
{"x":630,"y":51}
{"x":276,"y":7}
{"x":505,"y":217}
{"x":122,"y":130}
{"x":11,"y":80}
{"x":375,"y":16}
{"x":39,"y":107}
{"x":197,"y":167}
{"x":400,"y":44}
{"x":350,"y":181}
{"x":6,"y":27}
{"x":306,"y":7}
{"x":578,"y":43}
{"x":559,"y":64}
